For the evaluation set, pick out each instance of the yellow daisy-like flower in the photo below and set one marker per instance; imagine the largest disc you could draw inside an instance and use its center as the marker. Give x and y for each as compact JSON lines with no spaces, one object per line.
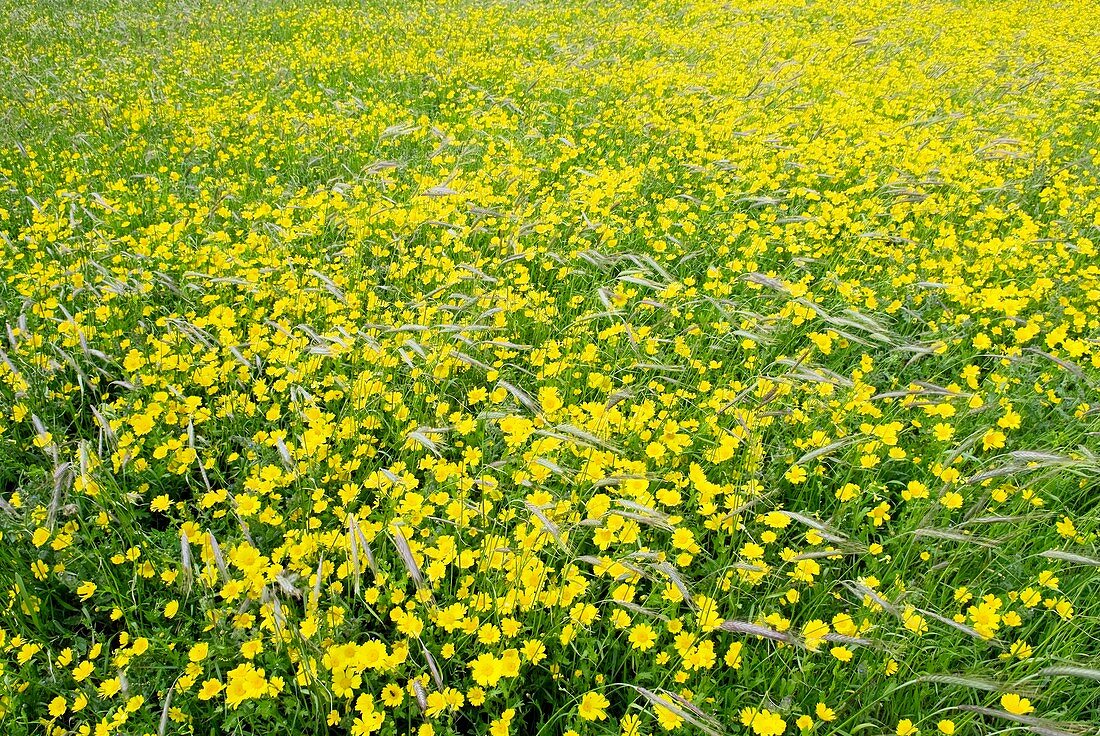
{"x":593,"y":707}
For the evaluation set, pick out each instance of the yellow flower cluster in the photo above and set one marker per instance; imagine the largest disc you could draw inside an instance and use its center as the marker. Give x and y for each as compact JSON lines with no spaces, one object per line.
{"x":549,"y":368}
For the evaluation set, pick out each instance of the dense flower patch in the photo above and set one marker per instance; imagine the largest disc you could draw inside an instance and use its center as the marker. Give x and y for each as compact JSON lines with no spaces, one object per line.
{"x":568,"y":368}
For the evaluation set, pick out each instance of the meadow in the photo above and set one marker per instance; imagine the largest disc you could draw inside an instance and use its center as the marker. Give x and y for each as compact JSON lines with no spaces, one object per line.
{"x":536,"y":368}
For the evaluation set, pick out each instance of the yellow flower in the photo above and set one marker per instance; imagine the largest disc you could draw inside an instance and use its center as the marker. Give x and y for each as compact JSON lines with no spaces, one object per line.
{"x":733,"y":656}
{"x":82,"y":670}
{"x":683,"y":539}
{"x":763,"y":722}
{"x":251,"y":648}
{"x":209,"y":689}
{"x":26,"y":652}
{"x":844,"y":654}
{"x":709,"y":618}
{"x":58,"y":706}
{"x":814,"y":633}
{"x":110,"y":688}
{"x":244,"y":682}
{"x":776,"y":519}
{"x":392,"y":696}
{"x":914,"y":621}
{"x":248,"y":505}
{"x":642,"y":637}
{"x":142,"y":424}
{"x":630,"y":725}
{"x":666,"y":717}
{"x":952,"y":500}
{"x":592,"y":707}
{"x":198,"y":652}
{"x":1016,"y":705}
{"x":994,"y":439}
{"x":880,"y":514}
{"x":534,"y":651}
{"x":502,"y":726}
{"x":486,"y":670}
{"x":906,"y":728}
{"x":796,"y":474}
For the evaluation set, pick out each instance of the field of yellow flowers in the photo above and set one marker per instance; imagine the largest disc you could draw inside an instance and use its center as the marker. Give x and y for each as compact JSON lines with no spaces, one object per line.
{"x":536,"y":368}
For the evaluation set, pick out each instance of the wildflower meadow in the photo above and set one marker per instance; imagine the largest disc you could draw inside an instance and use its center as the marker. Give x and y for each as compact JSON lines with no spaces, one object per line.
{"x":557,"y":368}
